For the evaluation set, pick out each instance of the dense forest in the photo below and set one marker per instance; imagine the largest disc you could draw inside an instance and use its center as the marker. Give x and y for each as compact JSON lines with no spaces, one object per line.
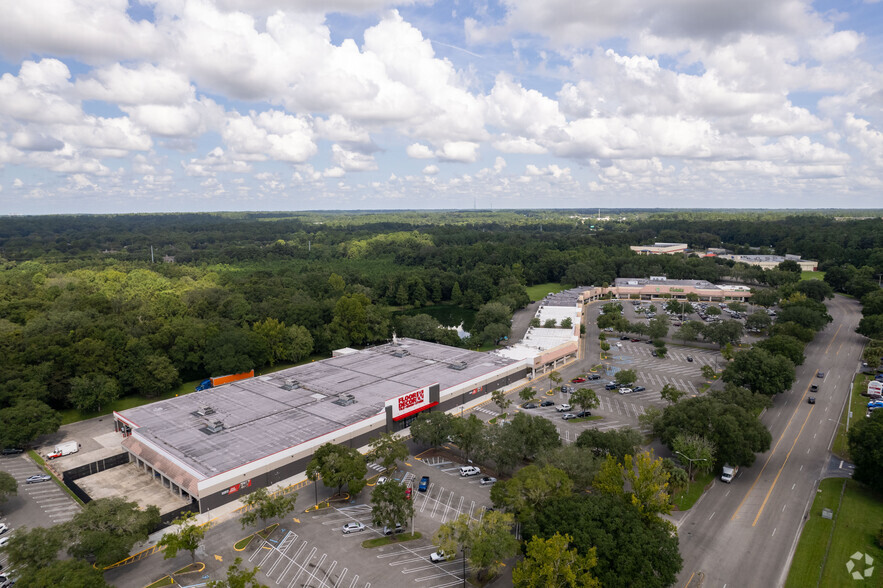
{"x":97,"y":307}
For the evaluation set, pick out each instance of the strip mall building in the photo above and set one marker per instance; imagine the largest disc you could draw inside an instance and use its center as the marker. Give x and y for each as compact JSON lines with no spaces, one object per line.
{"x":213,"y":446}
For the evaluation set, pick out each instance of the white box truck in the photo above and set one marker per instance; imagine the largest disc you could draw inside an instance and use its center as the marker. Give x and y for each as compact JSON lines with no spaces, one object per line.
{"x":63,"y":449}
{"x":729,"y":472}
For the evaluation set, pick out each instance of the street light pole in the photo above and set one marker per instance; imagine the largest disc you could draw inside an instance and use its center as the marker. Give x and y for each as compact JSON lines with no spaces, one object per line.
{"x":691,"y":463}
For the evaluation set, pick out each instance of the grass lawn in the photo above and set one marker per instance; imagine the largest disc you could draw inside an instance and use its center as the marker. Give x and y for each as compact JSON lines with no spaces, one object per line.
{"x":594,"y":417}
{"x":856,"y":522}
{"x":859,"y":410}
{"x":164,"y":581}
{"x":381,"y":541}
{"x":686,"y":499}
{"x":539,"y":291}
{"x":812,"y":275}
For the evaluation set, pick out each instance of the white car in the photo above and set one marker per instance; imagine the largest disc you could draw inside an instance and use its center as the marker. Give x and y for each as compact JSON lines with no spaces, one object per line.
{"x":469,"y":471}
{"x":3,"y":528}
{"x":487,"y":480}
{"x":3,"y":541}
{"x":353,"y":527}
{"x":563,"y":407}
{"x":381,"y":480}
{"x":625,"y":390}
{"x":437,"y":556}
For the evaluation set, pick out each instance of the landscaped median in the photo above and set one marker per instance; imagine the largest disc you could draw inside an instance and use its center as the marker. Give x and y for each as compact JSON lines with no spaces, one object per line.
{"x":245,"y":541}
{"x":381,"y":541}
{"x":686,"y":499}
{"x":832,"y":551}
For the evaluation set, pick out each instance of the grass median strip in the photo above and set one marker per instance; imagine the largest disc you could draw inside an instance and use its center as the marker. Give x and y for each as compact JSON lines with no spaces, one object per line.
{"x":859,"y":408}
{"x":381,"y":541}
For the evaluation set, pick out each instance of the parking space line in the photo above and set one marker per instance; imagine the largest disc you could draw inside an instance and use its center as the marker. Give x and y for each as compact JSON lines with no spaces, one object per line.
{"x":301,"y":568}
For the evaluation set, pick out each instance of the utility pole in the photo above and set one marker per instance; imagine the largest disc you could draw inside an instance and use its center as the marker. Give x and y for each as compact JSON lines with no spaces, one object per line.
{"x":151,"y":254}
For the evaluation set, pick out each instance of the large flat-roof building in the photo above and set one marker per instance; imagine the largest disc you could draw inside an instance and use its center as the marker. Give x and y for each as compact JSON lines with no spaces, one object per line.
{"x":214,"y":444}
{"x":768,"y":262}
{"x":660,"y":249}
{"x":662,"y":288}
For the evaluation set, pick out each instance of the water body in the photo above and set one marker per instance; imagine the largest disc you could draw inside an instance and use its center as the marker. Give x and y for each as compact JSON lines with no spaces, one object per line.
{"x":452,"y":317}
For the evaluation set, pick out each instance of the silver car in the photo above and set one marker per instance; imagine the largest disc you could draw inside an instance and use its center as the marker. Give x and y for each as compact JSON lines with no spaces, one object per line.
{"x":38,"y":478}
{"x":353,"y":527}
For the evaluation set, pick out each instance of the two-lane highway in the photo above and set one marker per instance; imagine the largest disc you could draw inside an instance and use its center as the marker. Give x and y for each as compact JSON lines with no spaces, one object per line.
{"x":742,"y":534}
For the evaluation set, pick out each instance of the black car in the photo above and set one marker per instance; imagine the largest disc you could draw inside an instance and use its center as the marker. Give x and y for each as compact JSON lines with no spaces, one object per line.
{"x":547,"y":403}
{"x":624,"y":338}
{"x":820,"y":374}
{"x":611,"y":386}
{"x":654,"y":354}
{"x":689,"y":358}
{"x":529,"y":405}
{"x":811,"y":399}
{"x":593,"y":377}
{"x":583,"y":413}
{"x":638,"y":389}
{"x":11,"y":451}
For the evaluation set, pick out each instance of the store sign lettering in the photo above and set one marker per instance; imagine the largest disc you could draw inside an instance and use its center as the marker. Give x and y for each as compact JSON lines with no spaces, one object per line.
{"x":409,"y":400}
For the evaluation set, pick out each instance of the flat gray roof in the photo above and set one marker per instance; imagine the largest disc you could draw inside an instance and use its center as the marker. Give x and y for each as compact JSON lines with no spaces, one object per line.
{"x":704,"y":284}
{"x":267,"y":414}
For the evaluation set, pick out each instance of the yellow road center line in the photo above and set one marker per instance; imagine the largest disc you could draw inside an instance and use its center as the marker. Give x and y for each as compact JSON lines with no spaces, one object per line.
{"x":770,"y":491}
{"x":687,"y":585}
{"x":773,"y":452}
{"x":832,"y":338}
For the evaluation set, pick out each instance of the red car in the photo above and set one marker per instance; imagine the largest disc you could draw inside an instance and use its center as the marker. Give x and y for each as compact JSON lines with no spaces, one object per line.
{"x":408,"y":493}
{"x":635,"y":340}
{"x":577,"y":380}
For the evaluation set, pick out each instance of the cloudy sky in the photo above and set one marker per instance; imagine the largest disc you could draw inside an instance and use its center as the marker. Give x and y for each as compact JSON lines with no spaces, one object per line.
{"x":195,"y":105}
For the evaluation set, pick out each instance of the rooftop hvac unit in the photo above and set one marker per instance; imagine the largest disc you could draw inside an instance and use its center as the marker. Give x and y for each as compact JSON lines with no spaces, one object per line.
{"x":458,"y":365}
{"x":291,"y":384}
{"x":401,"y":353}
{"x":205,"y":411}
{"x":345,"y":399}
{"x":215,"y":426}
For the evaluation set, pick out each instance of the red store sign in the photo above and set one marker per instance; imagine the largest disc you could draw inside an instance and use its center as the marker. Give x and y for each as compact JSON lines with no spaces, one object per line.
{"x":410,"y":403}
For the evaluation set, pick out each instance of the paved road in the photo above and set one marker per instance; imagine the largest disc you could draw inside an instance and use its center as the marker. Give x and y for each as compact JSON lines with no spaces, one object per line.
{"x":743,"y":534}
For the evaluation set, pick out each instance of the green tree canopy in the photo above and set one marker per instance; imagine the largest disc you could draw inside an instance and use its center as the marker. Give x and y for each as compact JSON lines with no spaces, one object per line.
{"x":528,"y":488}
{"x":760,"y":371}
{"x":579,"y":463}
{"x":615,"y":442}
{"x":8,"y":487}
{"x":33,"y":549}
{"x":390,"y":506}
{"x":632,"y":550}
{"x":696,"y":450}
{"x":237,"y":577}
{"x":26,"y":420}
{"x":626,"y":377}
{"x":640,"y":478}
{"x":93,"y":391}
{"x":70,"y":573}
{"x":784,"y":345}
{"x":671,"y":394}
{"x":262,"y":506}
{"x":550,"y":562}
{"x":107,"y":528}
{"x":387,"y":449}
{"x":585,"y":398}
{"x":866,"y":450}
{"x":338,"y":466}
{"x":467,"y":434}
{"x":186,"y":537}
{"x":736,"y":433}
{"x":432,"y":428}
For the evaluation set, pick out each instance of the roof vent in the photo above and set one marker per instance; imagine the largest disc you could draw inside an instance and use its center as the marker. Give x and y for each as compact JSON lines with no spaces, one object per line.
{"x":401,"y":353}
{"x":345,"y":399}
{"x":458,"y":365}
{"x":205,"y":411}
{"x":215,"y":427}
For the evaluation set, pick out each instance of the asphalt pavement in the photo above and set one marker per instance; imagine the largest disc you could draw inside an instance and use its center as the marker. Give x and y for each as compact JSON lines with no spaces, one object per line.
{"x":744,"y":533}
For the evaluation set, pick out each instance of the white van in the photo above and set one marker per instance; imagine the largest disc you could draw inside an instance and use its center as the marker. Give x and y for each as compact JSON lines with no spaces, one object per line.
{"x":728,"y":473}
{"x":469,"y":471}
{"x":63,"y":449}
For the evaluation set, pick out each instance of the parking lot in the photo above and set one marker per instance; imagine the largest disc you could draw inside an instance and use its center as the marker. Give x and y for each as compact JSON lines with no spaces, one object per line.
{"x":37,"y":505}
{"x":315,"y":552}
